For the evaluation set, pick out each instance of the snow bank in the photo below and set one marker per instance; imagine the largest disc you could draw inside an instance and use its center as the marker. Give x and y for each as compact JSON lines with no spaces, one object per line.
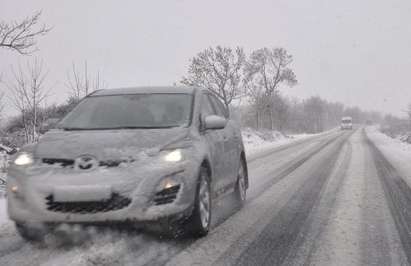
{"x":259,"y":140}
{"x":396,"y":151}
{"x":255,"y":140}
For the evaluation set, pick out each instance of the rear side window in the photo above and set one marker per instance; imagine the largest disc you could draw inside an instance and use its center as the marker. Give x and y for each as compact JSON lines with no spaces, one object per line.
{"x":219,"y":106}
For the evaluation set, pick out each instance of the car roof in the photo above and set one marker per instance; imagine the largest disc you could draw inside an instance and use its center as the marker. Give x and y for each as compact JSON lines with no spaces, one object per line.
{"x":147,"y":89}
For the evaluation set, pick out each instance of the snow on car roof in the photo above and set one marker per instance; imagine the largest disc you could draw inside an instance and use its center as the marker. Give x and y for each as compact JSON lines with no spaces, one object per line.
{"x":135,"y":90}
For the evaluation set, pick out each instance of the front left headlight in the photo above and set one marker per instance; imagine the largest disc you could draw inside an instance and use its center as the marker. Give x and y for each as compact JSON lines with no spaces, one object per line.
{"x":24,"y":159}
{"x":174,"y":156}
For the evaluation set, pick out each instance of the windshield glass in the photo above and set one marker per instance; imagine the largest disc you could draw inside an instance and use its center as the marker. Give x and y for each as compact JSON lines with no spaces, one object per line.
{"x":160,"y":110}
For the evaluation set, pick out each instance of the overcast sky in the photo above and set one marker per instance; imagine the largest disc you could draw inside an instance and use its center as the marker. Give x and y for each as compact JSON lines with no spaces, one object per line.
{"x":353,"y":51}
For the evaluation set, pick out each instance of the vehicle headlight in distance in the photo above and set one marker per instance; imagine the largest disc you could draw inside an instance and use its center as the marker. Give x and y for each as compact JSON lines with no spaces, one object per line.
{"x":174,"y":156}
{"x":24,"y":158}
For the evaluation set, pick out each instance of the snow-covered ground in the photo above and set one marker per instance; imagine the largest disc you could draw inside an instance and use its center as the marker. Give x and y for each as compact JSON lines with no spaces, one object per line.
{"x":397,"y":152}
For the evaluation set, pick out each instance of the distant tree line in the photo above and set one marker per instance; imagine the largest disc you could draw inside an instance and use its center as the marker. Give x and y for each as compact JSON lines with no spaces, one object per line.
{"x":254,"y":82}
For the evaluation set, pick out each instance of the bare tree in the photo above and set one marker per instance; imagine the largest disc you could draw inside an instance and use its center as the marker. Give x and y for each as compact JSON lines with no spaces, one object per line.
{"x":21,"y":36}
{"x":28,"y":92}
{"x":219,"y":70}
{"x":255,"y":95}
{"x":314,"y":110}
{"x":80,"y":84}
{"x":268,"y":69}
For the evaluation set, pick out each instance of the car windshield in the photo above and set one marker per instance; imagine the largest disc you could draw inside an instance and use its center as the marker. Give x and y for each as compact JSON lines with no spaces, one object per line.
{"x":160,"y":110}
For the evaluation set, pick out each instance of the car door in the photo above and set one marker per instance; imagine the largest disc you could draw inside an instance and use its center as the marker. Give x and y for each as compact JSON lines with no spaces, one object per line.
{"x":230,"y":140}
{"x":215,"y":142}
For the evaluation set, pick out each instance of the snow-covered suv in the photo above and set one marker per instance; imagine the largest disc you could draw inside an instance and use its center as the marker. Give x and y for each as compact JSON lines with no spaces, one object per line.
{"x":150,"y":154}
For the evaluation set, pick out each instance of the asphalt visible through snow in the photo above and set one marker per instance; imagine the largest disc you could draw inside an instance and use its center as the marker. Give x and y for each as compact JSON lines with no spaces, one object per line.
{"x":332,"y":199}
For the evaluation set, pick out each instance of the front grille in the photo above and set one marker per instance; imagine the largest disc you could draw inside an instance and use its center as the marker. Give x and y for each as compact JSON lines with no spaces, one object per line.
{"x":61,"y":162}
{"x":116,"y":202}
{"x":114,"y":163}
{"x":166,"y":196}
{"x":70,"y":162}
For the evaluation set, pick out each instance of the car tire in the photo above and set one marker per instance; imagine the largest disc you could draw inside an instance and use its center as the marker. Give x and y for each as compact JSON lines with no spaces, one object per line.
{"x":31,"y":234}
{"x":200,"y":219}
{"x":240,"y":190}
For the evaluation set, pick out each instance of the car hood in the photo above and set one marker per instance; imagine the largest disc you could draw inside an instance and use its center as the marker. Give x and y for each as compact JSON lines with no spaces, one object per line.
{"x":106,"y":144}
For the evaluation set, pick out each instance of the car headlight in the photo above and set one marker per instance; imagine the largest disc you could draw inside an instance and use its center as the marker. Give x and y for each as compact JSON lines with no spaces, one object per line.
{"x":24,"y":159}
{"x":174,"y":156}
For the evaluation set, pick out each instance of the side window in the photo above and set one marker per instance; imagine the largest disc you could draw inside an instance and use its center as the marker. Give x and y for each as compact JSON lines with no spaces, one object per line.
{"x":206,"y":106}
{"x":219,"y":106}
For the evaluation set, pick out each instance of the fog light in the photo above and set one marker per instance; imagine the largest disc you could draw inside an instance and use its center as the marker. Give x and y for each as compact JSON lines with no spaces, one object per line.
{"x":170,"y":183}
{"x":167,"y":183}
{"x":14,"y":189}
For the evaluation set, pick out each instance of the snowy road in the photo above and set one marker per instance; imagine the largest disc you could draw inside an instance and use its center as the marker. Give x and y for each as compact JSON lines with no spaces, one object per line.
{"x":332,"y":199}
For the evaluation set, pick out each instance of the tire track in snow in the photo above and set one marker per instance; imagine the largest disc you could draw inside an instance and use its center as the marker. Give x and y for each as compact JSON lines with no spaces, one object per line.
{"x":279,"y":237}
{"x":320,"y":215}
{"x":398,"y":196}
{"x":284,"y":171}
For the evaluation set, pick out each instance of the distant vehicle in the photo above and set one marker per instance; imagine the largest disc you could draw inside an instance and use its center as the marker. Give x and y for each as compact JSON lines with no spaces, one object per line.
{"x":346,"y":123}
{"x":151,"y":155}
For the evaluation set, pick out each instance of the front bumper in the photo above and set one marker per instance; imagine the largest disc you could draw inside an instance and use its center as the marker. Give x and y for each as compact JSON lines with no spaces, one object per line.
{"x":132,"y":189}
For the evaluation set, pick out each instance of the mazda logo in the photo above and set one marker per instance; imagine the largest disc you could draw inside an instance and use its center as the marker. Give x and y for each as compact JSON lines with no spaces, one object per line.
{"x":86,"y":162}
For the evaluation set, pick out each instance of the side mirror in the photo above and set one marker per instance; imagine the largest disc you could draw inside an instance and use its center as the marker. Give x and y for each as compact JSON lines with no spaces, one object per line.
{"x":214,"y":122}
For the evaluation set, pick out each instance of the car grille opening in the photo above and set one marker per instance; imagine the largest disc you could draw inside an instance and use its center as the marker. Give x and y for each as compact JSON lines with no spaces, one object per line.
{"x":167,"y":195}
{"x":70,"y":162}
{"x":61,"y":162}
{"x":116,"y":202}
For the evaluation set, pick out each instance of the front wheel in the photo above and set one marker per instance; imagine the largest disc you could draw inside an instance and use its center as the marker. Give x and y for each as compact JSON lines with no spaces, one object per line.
{"x":241,"y":185}
{"x":32,"y":234}
{"x":201,"y":217}
{"x":197,"y":224}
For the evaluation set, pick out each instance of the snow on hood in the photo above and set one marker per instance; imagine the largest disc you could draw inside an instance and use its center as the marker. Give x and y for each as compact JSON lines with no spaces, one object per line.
{"x":106,"y":144}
